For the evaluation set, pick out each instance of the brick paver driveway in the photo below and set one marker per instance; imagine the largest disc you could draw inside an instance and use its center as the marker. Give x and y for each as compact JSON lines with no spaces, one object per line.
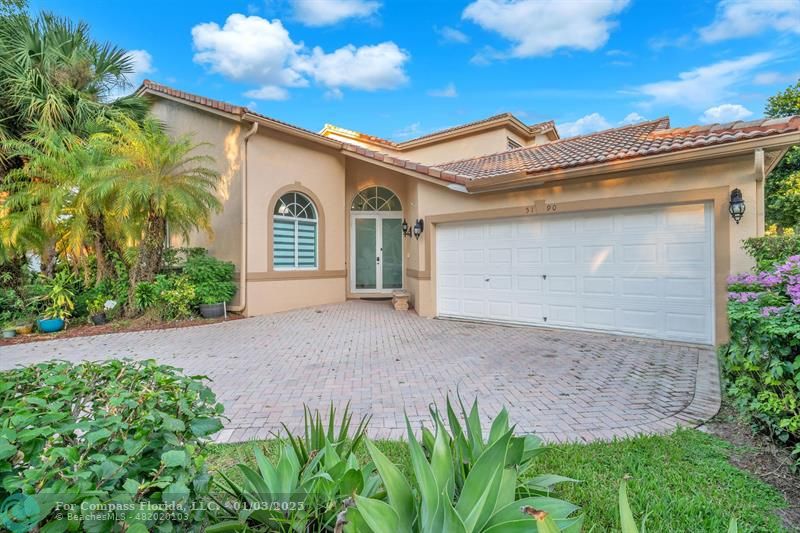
{"x":559,"y":384}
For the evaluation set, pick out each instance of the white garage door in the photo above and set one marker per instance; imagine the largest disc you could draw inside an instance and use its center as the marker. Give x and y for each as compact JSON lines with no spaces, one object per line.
{"x":645,"y":272}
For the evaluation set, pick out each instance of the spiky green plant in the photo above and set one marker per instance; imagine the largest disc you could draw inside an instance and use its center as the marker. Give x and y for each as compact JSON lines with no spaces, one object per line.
{"x":305,"y":488}
{"x":487,"y":499}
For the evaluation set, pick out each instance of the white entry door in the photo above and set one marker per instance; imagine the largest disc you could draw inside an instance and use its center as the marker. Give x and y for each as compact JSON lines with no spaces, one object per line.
{"x":376,"y":252}
{"x":645,"y":271}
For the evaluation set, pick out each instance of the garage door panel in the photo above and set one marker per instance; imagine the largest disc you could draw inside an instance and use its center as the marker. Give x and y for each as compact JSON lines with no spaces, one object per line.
{"x":530,"y":283}
{"x":561,"y":254}
{"x":641,"y":271}
{"x":530,"y":312}
{"x":598,"y":286}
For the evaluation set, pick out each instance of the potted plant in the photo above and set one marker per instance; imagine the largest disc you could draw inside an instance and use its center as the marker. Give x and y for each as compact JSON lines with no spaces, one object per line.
{"x":9,"y":331}
{"x":24,"y":326}
{"x":213,"y":283}
{"x":98,"y":309}
{"x":59,"y":300}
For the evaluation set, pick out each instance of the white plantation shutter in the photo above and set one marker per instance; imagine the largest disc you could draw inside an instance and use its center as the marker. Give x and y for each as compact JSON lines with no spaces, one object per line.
{"x":294,"y":233}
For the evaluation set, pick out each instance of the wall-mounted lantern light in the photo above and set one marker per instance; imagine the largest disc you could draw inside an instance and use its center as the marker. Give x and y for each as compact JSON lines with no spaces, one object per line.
{"x":418,"y":228}
{"x":736,"y":207}
{"x":406,"y":229}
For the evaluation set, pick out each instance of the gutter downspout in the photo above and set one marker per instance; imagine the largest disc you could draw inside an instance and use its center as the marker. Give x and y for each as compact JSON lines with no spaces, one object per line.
{"x":243,"y":267}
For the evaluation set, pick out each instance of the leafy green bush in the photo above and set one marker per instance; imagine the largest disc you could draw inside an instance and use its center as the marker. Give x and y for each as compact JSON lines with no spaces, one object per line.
{"x":122,"y":432}
{"x":491,"y":496}
{"x":772,"y":249}
{"x":212,"y":278}
{"x":761,"y":364}
{"x":59,"y":296}
{"x":175,"y":299}
{"x":304,"y":489}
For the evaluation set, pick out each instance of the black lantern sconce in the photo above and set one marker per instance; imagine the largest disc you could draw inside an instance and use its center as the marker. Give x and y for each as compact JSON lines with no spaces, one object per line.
{"x":416,"y":231}
{"x":736,"y":207}
{"x":406,"y":229}
{"x":418,"y":227}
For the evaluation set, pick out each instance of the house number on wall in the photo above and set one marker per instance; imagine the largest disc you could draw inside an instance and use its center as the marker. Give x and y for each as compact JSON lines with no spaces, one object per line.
{"x":548,"y":208}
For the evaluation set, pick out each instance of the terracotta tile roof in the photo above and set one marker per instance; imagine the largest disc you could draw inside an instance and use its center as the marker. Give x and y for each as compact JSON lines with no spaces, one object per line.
{"x":432,"y":172}
{"x":638,"y":140}
{"x":628,"y":142}
{"x":534,"y":128}
{"x":219,"y":105}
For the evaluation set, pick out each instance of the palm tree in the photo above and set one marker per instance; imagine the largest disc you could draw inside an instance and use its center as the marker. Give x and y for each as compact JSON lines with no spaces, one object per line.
{"x":165,"y":184}
{"x":62,"y":195}
{"x":54,"y":76}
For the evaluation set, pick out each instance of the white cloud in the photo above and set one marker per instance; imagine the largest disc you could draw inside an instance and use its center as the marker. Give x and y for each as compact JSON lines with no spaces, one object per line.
{"x":587,"y":124}
{"x":412,"y":130}
{"x":452,"y":35}
{"x":539,"y":28}
{"x":249,"y":49}
{"x":268,"y":92}
{"x":725,"y":113}
{"x":595,"y":122}
{"x":448,"y":91}
{"x":742,"y":18}
{"x":632,"y":118}
{"x":261,"y":52}
{"x":773,"y":78}
{"x":368,"y":68}
{"x":328,"y":12}
{"x":704,"y":86}
{"x":142,"y":65}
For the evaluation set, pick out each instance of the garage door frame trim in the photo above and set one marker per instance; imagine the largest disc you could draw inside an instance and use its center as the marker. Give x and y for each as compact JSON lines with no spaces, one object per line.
{"x":717,"y":197}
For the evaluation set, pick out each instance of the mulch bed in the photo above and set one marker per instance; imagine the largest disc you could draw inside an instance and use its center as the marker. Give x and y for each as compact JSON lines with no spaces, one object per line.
{"x":142,"y":323}
{"x":755,"y":453}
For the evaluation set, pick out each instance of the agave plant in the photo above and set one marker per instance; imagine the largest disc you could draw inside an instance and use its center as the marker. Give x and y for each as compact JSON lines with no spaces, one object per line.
{"x":463,"y":485}
{"x":467,"y":444}
{"x":305,"y":488}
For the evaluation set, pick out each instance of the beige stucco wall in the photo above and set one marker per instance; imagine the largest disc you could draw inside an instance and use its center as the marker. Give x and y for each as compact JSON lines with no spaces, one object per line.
{"x":473,"y":145}
{"x":276,"y":164}
{"x":223,"y":142}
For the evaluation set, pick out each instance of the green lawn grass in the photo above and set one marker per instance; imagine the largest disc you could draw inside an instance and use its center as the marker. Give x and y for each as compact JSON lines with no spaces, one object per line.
{"x":682,"y":482}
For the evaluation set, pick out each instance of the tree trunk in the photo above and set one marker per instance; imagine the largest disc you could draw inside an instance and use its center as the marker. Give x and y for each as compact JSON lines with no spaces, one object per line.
{"x":49,"y":259}
{"x":101,"y":249}
{"x":149,"y":257}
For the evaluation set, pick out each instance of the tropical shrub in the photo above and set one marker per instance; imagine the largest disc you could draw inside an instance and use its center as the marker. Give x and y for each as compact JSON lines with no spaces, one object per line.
{"x":175,"y":298}
{"x":59,"y":298}
{"x":489,"y":498}
{"x":772,"y":249}
{"x":761,"y":364}
{"x":305,"y":488}
{"x":121,"y":432}
{"x":212,"y":279}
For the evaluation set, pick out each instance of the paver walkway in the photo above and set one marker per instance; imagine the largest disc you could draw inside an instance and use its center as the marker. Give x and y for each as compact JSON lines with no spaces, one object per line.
{"x":562,"y":385}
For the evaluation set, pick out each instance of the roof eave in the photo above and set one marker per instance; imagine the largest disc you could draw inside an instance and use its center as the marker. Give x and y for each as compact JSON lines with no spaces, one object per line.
{"x":283,"y":128}
{"x":519,"y":180}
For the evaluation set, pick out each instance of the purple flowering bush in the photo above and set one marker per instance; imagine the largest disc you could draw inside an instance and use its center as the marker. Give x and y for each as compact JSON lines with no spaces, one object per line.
{"x":761,"y":364}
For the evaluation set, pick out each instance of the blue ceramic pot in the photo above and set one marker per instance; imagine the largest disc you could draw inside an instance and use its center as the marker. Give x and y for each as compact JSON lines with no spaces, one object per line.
{"x":50,"y":325}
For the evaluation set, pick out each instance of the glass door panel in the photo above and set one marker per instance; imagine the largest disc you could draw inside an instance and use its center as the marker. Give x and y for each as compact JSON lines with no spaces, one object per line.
{"x":392,"y":253}
{"x":366,"y":256}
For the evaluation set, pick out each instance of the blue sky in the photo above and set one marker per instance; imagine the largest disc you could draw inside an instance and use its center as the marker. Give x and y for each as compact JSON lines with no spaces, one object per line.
{"x":399,"y":69}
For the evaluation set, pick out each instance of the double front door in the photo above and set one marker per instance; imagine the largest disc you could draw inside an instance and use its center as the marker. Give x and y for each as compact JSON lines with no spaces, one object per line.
{"x":376,"y":252}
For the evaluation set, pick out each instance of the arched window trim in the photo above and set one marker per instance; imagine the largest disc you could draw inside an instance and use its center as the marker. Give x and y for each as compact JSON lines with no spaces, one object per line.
{"x":374,"y":202}
{"x":295,"y":227}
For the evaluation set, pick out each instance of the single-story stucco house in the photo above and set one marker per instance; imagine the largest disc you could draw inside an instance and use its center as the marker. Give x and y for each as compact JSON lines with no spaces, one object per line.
{"x":626,"y":230}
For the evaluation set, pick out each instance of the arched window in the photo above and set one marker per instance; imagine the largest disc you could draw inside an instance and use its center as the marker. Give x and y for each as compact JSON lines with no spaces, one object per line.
{"x":376,"y":199}
{"x":294,"y":233}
